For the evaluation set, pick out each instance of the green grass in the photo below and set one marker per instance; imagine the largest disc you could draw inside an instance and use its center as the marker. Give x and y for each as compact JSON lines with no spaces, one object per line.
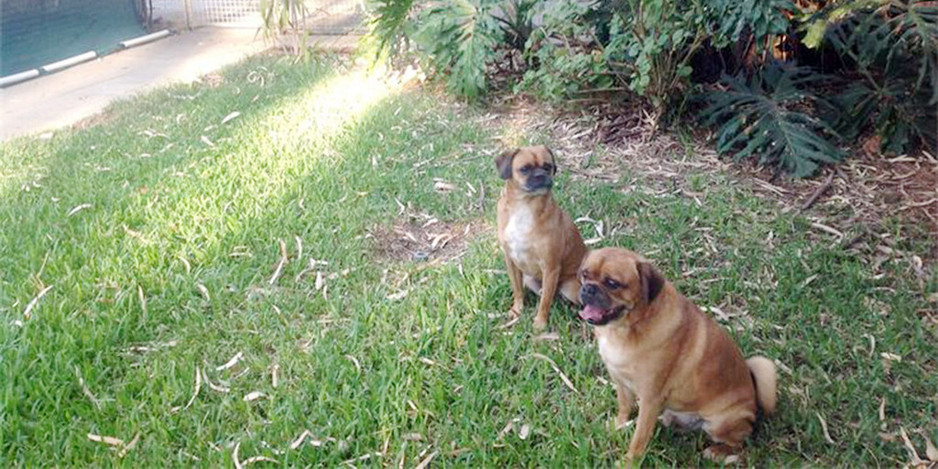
{"x":171,"y":215}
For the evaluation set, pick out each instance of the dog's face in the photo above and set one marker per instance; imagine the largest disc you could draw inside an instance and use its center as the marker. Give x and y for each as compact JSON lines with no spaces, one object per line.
{"x":614,"y":282}
{"x":531,"y":168}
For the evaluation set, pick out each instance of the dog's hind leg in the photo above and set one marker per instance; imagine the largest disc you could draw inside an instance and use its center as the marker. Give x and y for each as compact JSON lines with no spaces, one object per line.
{"x":728,"y":434}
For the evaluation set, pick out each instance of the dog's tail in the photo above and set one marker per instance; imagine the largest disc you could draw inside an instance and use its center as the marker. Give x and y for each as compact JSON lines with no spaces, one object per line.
{"x":764,"y":378}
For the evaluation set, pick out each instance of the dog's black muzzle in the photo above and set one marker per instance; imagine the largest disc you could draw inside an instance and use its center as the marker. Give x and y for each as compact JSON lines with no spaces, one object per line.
{"x":591,"y":294}
{"x":539,"y":179}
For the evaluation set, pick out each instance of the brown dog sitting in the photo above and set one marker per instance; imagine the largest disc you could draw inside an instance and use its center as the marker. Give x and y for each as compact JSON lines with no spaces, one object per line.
{"x":660,"y":348}
{"x":542,"y":246}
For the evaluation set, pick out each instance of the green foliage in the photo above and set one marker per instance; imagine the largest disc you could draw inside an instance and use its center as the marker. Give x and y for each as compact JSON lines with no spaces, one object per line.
{"x":892,"y":109}
{"x":516,"y":22}
{"x":564,"y":55}
{"x":898,"y":37}
{"x":894,"y":47}
{"x":460,"y":37}
{"x":285,"y":18}
{"x":647,"y":49}
{"x":389,"y":20}
{"x":766,"y":117}
{"x":654,"y":41}
{"x":734,"y":20}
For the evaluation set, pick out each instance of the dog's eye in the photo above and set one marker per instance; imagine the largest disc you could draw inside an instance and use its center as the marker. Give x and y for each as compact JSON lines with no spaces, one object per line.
{"x":612,"y":283}
{"x":525,"y":169}
{"x":548,"y":167}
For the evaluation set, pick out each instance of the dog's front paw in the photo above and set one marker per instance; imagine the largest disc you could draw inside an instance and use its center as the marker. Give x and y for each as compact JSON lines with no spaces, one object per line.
{"x":623,"y":421}
{"x":515,"y":311}
{"x":540,"y":323}
{"x":721,"y":454}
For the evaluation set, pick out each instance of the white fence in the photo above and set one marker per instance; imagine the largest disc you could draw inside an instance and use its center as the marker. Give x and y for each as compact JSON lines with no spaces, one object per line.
{"x":325,"y":16}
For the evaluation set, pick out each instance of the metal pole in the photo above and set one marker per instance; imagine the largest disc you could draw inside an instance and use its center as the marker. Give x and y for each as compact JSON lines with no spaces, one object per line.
{"x":189,"y":14}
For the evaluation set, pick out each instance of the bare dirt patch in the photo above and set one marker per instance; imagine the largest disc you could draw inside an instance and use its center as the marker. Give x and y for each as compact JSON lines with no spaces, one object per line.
{"x":421,"y":237}
{"x":97,"y":119}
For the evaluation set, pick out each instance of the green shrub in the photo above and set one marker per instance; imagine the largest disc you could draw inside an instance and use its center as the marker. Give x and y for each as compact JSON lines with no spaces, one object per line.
{"x":893,"y":47}
{"x":888,"y":64}
{"x":564,"y":55}
{"x":460,"y":37}
{"x":766,"y":117}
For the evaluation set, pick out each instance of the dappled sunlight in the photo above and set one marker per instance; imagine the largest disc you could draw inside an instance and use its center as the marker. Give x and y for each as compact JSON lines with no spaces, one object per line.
{"x":270,"y":155}
{"x":325,"y":109}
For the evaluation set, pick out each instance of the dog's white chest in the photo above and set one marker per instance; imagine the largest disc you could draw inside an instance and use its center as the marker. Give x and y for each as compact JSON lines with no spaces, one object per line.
{"x":518,"y":236}
{"x":612,"y":355}
{"x":618,"y":363}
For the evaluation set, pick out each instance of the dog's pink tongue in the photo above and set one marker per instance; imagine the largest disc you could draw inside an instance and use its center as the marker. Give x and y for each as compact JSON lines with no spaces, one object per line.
{"x":591,"y":312}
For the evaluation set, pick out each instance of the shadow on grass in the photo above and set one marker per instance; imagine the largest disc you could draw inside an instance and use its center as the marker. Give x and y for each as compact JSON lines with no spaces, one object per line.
{"x":169,"y":275}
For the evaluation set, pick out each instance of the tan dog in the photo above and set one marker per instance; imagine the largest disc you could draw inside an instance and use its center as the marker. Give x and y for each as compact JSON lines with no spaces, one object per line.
{"x":542,"y":246}
{"x":660,"y":348}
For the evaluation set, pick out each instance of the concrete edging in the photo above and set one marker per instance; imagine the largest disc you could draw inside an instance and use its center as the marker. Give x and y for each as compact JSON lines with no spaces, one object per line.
{"x":20,"y":77}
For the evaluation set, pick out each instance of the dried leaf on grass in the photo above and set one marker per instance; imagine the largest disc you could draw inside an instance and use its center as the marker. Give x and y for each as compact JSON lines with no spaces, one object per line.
{"x":108,"y":440}
{"x":426,"y":461}
{"x":230,"y":117}
{"x":77,"y":209}
{"x":142,"y":298}
{"x":213,"y":386}
{"x":442,"y":186}
{"x":87,"y":392}
{"x":548,"y":336}
{"x":398,"y":296}
{"x":556,"y":368}
{"x":283,"y":261}
{"x":300,"y":439}
{"x":354,"y":360}
{"x":255,"y":459}
{"x":28,"y":312}
{"x":916,"y":460}
{"x":524,"y":432}
{"x":827,"y":436}
{"x":231,"y":362}
{"x":930,"y":450}
{"x":234,"y":456}
{"x":203,"y":291}
{"x":253,"y":396}
{"x":198,"y":387}
{"x":126,"y":449}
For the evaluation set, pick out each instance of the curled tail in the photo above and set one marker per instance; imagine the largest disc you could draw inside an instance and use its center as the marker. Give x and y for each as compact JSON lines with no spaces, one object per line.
{"x":764,"y":378}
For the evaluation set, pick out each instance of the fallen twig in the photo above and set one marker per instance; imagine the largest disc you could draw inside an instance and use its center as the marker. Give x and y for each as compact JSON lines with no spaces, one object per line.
{"x":817,"y":193}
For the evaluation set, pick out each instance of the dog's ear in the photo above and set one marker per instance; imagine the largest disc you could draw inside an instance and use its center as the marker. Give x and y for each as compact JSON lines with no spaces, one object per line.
{"x":553,"y":159}
{"x":652,"y":281}
{"x":503,"y":163}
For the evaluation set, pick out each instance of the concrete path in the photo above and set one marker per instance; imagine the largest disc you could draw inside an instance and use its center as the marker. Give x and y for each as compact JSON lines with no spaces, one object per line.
{"x":65,"y":98}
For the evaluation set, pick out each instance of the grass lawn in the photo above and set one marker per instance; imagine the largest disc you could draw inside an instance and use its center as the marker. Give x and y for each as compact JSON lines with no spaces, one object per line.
{"x":165,"y":312}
